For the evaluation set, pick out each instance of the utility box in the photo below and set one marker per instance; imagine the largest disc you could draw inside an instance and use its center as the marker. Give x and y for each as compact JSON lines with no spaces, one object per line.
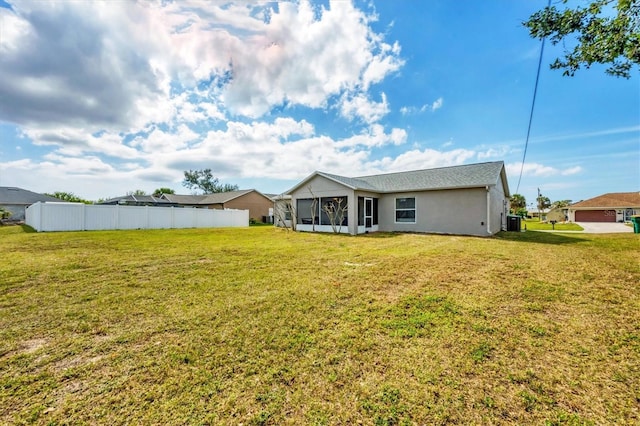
{"x":513,"y":223}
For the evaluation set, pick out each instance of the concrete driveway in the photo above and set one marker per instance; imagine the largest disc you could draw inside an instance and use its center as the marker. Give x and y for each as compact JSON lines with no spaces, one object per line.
{"x":604,"y":227}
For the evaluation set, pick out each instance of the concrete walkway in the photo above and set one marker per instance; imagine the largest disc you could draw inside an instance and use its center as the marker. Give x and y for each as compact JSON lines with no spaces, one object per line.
{"x":604,"y":227}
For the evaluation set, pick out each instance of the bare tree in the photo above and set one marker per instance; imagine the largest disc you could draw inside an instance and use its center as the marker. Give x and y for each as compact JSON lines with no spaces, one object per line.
{"x":314,"y":209}
{"x":281,"y":208}
{"x":335,"y":211}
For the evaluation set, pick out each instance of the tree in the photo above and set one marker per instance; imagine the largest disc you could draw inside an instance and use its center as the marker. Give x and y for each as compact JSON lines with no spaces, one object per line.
{"x":158,"y":192}
{"x":4,"y":214}
{"x":204,"y":181}
{"x":517,"y":202}
{"x":560,"y":204}
{"x":69,"y":197}
{"x":607,"y":32}
{"x":137,"y":192}
{"x":543,"y":202}
{"x":314,"y":209}
{"x":285,"y":213}
{"x":335,"y":210}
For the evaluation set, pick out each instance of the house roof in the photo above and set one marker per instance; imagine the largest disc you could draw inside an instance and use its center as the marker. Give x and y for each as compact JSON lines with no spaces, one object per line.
{"x":207,"y":199}
{"x":466,"y":176}
{"x":19,"y":196}
{"x":611,"y":200}
{"x":141,"y":199}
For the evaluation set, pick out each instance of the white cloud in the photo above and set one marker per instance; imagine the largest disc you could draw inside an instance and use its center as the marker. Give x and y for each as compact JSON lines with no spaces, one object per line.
{"x":538,"y":170}
{"x":423,"y":159}
{"x":437,"y":104}
{"x":360,"y":106}
{"x":571,"y":171}
{"x":411,"y":110}
{"x":128,"y":95}
{"x":498,"y":152}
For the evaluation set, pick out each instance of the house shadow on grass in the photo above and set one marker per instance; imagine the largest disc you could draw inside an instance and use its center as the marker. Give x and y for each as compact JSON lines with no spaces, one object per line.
{"x":379,"y":235}
{"x":540,"y":237}
{"x":27,"y":229}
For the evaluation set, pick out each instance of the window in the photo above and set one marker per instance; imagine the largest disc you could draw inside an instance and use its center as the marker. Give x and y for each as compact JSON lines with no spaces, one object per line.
{"x":406,"y":210}
{"x":322,"y":211}
{"x":333,"y":209}
{"x":307,"y":210}
{"x":375,"y":211}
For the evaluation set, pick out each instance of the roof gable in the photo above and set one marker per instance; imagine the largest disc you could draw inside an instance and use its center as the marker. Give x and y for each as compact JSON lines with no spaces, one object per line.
{"x":209,"y":199}
{"x":612,"y":199}
{"x":224,"y":197}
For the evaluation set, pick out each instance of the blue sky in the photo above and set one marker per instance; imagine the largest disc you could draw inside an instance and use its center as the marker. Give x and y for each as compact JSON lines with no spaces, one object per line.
{"x":103,"y":98}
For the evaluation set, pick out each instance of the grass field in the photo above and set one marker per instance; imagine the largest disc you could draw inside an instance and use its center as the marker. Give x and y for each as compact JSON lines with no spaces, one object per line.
{"x":536,"y":225}
{"x":262,"y":326}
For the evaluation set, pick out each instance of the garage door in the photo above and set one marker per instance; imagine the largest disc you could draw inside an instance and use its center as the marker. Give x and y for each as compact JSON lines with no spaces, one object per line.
{"x":596,"y":216}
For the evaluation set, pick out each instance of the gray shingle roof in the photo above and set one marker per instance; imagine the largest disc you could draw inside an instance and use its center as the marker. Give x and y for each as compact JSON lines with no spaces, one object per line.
{"x":19,"y":196}
{"x":465,"y":176}
{"x":207,"y":199}
{"x":223,"y":197}
{"x":184,"y":199}
{"x":137,"y":199}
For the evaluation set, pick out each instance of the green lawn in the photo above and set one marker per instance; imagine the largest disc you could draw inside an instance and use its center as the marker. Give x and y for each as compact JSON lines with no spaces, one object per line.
{"x":536,"y":225}
{"x":262,"y":326}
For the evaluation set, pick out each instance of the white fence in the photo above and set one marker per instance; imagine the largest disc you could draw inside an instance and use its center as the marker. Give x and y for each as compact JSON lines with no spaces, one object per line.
{"x":85,"y":217}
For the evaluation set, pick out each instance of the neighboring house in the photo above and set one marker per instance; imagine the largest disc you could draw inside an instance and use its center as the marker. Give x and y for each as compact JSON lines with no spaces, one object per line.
{"x":16,"y":200}
{"x":535,"y":214}
{"x":557,"y":214}
{"x":139,"y":200}
{"x":468,"y":200}
{"x":611,"y":207}
{"x":259,"y":205}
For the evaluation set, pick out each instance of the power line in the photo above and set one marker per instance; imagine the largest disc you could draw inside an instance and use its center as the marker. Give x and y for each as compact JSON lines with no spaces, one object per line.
{"x":533,"y":103}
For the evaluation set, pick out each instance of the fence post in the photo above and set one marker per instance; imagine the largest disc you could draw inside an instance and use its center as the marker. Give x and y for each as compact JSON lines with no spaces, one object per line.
{"x":39,"y":216}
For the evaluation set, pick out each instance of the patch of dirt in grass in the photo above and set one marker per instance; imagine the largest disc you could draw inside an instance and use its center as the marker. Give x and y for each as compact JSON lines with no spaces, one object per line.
{"x":33,"y":345}
{"x":77,"y":361}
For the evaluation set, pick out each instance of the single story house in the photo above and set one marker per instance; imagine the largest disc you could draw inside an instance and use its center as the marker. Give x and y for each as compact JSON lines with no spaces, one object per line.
{"x":259,"y":205}
{"x":610,"y":207}
{"x":468,"y":200}
{"x":16,"y":200}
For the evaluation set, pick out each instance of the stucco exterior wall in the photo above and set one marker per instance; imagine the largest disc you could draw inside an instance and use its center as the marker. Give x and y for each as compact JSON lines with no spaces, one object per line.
{"x":459,"y":211}
{"x":473,"y":211}
{"x":498,"y":208}
{"x":258,"y":205}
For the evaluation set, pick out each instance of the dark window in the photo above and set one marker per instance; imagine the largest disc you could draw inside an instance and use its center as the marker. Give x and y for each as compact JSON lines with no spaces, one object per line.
{"x":333,"y":209}
{"x":375,"y":211}
{"x":406,"y":210}
{"x":360,"y":211}
{"x":306,"y":209}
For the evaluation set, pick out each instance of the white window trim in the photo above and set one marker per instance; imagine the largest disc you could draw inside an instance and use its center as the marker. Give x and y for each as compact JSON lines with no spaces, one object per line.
{"x":396,"y":209}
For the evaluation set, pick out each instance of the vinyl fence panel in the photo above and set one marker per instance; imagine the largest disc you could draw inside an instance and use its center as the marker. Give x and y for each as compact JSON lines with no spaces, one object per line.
{"x":83,"y":217}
